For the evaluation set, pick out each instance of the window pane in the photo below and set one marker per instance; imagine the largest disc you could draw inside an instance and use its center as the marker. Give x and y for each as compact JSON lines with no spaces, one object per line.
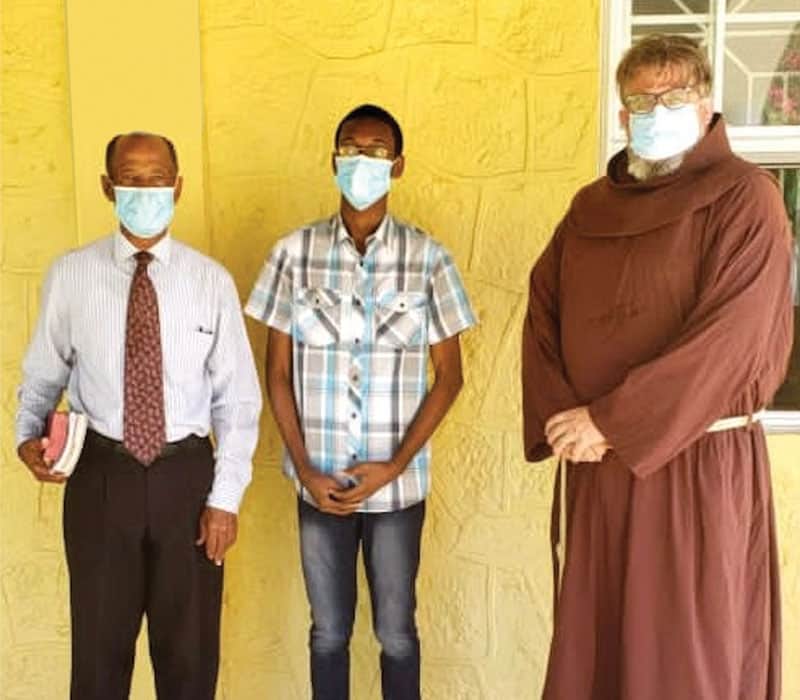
{"x":698,"y":32}
{"x":761,"y":6}
{"x":788,"y":397}
{"x":762,"y":74}
{"x":669,"y":7}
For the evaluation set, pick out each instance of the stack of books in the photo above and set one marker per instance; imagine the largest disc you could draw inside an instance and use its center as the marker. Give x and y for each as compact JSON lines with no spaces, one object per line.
{"x":66,"y":431}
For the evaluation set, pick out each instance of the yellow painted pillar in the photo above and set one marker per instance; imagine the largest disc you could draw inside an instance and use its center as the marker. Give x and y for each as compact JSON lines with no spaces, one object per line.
{"x":135,"y":67}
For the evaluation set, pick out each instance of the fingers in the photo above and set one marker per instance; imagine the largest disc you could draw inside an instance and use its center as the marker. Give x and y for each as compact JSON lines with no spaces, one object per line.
{"x":571,"y":434}
{"x":32,"y":454}
{"x":45,"y":443}
{"x":202,"y":531}
{"x":560,"y":431}
{"x":224,"y":537}
{"x":43,"y":473}
{"x":355,"y":495}
{"x":592,"y":453}
{"x":218,"y":531}
{"x":336,"y":506}
{"x":327,"y":494}
{"x":559,"y":419}
{"x":211,"y":546}
{"x":563,"y":444}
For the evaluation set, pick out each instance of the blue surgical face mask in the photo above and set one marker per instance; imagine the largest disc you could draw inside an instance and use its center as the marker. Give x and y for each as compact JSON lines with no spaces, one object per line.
{"x":145,"y":211}
{"x":363,"y":180}
{"x":664,"y":133}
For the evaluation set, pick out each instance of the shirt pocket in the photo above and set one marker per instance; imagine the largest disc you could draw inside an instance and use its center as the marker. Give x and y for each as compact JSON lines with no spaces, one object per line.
{"x":316,"y":316}
{"x":400,"y":319}
{"x":190,"y":346}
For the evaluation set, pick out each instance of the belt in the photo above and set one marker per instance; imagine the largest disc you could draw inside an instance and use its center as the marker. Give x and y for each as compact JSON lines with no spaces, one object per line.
{"x":561,"y":547}
{"x":190,"y":442}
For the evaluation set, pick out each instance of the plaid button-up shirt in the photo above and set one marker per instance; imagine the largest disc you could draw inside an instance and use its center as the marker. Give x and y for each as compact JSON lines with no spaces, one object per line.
{"x":361,"y":329}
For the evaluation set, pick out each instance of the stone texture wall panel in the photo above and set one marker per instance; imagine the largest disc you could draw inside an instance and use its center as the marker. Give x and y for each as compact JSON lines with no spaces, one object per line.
{"x":486,"y":136}
{"x":23,"y":211}
{"x":227,"y":14}
{"x":415,"y":22}
{"x":447,"y":208}
{"x":344,"y":29}
{"x":540,"y":37}
{"x":447,"y":681}
{"x":454,"y":609}
{"x":564,"y":129}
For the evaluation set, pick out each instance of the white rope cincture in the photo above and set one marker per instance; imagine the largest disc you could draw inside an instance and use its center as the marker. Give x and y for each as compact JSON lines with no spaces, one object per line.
{"x":561,"y":545}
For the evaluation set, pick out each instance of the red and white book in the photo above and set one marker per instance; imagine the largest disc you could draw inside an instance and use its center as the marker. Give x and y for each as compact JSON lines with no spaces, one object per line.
{"x":66,"y":431}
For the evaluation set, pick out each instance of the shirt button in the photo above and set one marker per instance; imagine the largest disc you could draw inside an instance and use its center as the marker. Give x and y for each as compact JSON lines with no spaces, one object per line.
{"x":354,"y":456}
{"x":357,"y":341}
{"x":361,"y":263}
{"x":354,"y":416}
{"x":356,"y":302}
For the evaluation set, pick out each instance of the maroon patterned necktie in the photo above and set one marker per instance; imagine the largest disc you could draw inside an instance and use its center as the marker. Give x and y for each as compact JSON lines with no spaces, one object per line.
{"x":144,"y":432}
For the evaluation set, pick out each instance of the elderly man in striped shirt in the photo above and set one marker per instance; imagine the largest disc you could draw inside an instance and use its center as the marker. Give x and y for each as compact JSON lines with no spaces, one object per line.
{"x":355,"y":304}
{"x":147,"y":336}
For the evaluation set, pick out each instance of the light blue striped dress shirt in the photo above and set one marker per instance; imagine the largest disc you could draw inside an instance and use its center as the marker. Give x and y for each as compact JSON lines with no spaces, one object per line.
{"x":210,"y":380}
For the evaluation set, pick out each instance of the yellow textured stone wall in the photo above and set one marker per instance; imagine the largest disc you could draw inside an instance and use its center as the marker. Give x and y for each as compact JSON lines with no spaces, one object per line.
{"x":37,"y":222}
{"x":498,"y":100}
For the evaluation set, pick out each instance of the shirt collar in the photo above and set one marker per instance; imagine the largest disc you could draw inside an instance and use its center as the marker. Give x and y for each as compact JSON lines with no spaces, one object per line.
{"x":124,"y":250}
{"x":381,"y":235}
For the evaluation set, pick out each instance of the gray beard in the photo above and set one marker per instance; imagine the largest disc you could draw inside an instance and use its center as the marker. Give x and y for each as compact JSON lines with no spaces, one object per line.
{"x":642,"y":169}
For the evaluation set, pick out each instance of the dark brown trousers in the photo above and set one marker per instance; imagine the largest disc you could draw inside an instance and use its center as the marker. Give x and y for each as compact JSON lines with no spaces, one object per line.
{"x":129,"y":533}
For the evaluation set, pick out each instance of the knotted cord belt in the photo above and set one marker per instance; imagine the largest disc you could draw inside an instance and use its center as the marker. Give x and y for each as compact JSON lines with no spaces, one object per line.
{"x":561,"y":547}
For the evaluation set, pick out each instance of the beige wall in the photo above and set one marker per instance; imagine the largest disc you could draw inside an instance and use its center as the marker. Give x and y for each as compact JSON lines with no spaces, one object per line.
{"x":498,"y":99}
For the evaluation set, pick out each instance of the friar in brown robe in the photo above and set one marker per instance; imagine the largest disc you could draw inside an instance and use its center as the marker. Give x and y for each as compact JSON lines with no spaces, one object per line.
{"x":661,"y":305}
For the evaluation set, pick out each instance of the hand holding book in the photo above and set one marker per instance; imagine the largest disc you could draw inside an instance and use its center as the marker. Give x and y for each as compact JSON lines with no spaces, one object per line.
{"x":66,"y":432}
{"x":31,"y":452}
{"x":53,"y":457}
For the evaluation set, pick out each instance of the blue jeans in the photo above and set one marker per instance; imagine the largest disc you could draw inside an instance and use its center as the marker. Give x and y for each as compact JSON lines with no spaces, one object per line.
{"x":329,"y":550}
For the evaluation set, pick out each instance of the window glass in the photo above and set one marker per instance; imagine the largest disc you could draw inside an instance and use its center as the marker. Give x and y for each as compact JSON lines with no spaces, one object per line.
{"x":788,"y":397}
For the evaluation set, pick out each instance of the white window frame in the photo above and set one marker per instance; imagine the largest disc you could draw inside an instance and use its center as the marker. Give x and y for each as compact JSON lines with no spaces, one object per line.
{"x":769,"y":146}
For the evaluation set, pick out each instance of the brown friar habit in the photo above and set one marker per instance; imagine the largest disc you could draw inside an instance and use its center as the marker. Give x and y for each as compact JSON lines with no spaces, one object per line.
{"x":664,"y":306}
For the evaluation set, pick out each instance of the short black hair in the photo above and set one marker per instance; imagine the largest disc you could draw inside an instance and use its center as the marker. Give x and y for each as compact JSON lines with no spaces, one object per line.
{"x":368,"y":111}
{"x":112,"y":145}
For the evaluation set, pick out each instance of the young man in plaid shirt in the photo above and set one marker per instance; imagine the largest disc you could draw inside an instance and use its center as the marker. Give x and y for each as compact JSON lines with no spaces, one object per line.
{"x":355,"y":304}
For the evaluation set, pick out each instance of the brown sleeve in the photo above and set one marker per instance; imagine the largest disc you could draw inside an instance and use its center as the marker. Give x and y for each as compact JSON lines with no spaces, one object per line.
{"x":545,"y":387}
{"x":739,"y":329}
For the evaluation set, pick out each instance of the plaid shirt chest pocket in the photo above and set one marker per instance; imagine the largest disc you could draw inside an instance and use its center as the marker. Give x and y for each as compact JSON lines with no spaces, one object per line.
{"x":317,"y":316}
{"x":400,"y":319}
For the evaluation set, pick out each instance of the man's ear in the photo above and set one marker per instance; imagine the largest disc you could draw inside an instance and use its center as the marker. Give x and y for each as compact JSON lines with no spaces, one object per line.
{"x":398,"y":166}
{"x":108,"y":187}
{"x":176,"y":195}
{"x":333,"y":162}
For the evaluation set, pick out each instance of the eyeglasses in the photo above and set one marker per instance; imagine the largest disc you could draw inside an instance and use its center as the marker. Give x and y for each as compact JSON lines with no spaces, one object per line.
{"x":144,"y":181}
{"x":350,"y":150}
{"x":646,"y":102}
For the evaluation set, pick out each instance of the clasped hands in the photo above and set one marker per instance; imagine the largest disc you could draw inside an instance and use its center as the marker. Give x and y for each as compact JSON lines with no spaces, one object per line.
{"x":333,"y":497}
{"x":573,"y":435}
